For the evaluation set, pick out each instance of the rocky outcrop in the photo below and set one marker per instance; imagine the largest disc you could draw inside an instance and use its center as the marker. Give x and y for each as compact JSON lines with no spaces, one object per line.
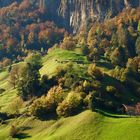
{"x":78,"y":13}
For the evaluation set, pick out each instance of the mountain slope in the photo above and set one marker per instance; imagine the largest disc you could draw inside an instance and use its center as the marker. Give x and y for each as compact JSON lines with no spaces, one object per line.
{"x":66,"y":66}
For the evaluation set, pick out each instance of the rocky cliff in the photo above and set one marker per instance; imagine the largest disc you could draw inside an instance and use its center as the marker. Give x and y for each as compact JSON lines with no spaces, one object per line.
{"x":74,"y":14}
{"x":77,"y":13}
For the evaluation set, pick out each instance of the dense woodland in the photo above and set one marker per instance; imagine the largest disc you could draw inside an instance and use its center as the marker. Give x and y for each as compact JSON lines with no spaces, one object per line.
{"x":27,"y":36}
{"x":22,"y":32}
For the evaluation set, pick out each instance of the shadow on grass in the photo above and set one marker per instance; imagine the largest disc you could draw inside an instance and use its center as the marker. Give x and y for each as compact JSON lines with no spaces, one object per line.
{"x":23,"y":128}
{"x":111,"y":115}
{"x":51,"y":116}
{"x":22,"y":136}
{"x":106,"y":65}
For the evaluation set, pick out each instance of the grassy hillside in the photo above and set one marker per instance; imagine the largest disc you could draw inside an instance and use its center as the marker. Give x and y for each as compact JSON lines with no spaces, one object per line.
{"x":85,"y":126}
{"x":79,"y":89}
{"x":59,"y":57}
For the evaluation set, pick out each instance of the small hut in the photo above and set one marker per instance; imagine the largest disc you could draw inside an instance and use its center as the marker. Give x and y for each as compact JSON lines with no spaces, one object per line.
{"x":138,"y":109}
{"x":132,"y":110}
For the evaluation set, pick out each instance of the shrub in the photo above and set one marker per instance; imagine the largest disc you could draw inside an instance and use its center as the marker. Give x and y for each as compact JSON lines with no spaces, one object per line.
{"x":95,"y":72}
{"x":118,"y":56}
{"x":88,"y":101}
{"x":84,"y":50}
{"x":110,"y":89}
{"x":79,"y":89}
{"x":13,"y":131}
{"x":28,"y":83}
{"x":15,"y":106}
{"x":40,"y":107}
{"x":29,"y":86}
{"x":87,"y":86}
{"x":16,"y":73}
{"x":1,"y":90}
{"x":133,"y":64}
{"x":6,"y":62}
{"x":138,"y":91}
{"x":70,"y":106}
{"x":68,"y":43}
{"x":46,"y":105}
{"x":96,"y":85}
{"x":55,"y":94}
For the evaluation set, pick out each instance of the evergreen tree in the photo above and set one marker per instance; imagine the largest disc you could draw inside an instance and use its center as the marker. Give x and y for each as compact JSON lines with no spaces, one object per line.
{"x":29,"y":84}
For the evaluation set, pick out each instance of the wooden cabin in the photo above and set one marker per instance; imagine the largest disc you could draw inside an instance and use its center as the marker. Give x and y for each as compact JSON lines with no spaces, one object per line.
{"x":138,"y":109}
{"x":132,"y":110}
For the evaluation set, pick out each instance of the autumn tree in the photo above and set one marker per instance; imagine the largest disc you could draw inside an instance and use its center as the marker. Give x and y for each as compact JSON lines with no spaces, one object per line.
{"x":118,"y":56}
{"x":69,"y":106}
{"x":138,"y":46}
{"x":46,"y":105}
{"x":11,"y":43}
{"x":95,"y":72}
{"x":14,"y":76}
{"x":6,"y":62}
{"x":68,"y":43}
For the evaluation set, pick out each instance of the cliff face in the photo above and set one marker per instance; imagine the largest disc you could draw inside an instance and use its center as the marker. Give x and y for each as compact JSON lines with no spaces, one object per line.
{"x":74,"y":14}
{"x":77,"y":13}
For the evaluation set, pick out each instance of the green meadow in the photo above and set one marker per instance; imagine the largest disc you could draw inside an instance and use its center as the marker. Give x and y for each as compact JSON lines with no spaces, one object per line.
{"x":87,"y":125}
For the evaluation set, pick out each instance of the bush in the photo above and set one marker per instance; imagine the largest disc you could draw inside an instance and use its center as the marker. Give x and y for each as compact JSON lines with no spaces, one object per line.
{"x":96,"y":85}
{"x":87,"y":86}
{"x":95,"y":72}
{"x":1,"y":90}
{"x":118,"y":56}
{"x":79,"y":89}
{"x":70,"y":106}
{"x":55,"y":95}
{"x":13,"y":131}
{"x":138,"y":46}
{"x":85,"y":50}
{"x":46,"y":105}
{"x":138,"y":91}
{"x":88,"y":101}
{"x":110,"y":89}
{"x":29,"y":86}
{"x":68,"y":44}
{"x":28,"y":83}
{"x":15,"y":106}
{"x":40,"y":107}
{"x":6,"y":62}
{"x":113,"y":91}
